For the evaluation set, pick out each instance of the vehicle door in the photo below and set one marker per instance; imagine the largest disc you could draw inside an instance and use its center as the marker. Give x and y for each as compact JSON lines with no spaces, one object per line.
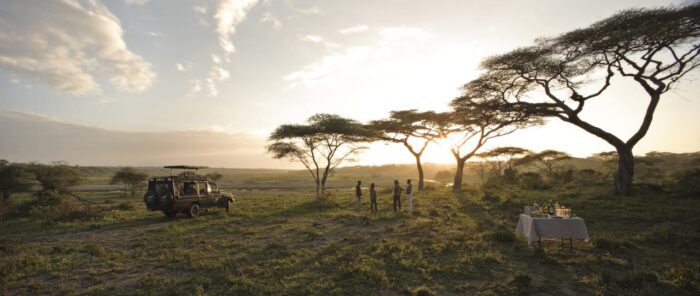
{"x":204,"y":193}
{"x":188,"y":192}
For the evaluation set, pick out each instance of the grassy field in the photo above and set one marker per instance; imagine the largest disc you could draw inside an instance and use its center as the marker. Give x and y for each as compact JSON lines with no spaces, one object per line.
{"x":282,"y":242}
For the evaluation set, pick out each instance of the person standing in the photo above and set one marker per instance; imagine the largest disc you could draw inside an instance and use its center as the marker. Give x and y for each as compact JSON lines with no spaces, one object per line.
{"x":397,"y":195}
{"x":358,"y":195}
{"x":373,"y":198}
{"x":409,"y":194}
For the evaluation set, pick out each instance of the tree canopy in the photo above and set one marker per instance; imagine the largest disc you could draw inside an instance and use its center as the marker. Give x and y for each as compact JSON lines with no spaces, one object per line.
{"x":557,"y":76}
{"x":130,"y":177}
{"x":323,"y":143}
{"x":415,"y":130}
{"x":14,"y":178}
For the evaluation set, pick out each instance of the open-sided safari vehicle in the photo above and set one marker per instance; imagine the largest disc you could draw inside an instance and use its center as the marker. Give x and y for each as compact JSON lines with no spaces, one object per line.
{"x":186,"y":193}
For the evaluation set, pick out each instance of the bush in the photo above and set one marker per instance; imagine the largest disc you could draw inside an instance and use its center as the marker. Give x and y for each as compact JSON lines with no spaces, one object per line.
{"x":503,"y":235}
{"x":531,"y":180}
{"x":562,"y":177}
{"x":490,"y":197}
{"x":639,"y":280}
{"x":51,"y":207}
{"x":521,"y":282}
{"x":588,"y":177}
{"x":688,"y":183}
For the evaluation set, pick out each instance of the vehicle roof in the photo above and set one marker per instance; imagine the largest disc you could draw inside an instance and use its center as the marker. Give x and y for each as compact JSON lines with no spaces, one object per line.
{"x":185,"y":167}
{"x":180,"y":178}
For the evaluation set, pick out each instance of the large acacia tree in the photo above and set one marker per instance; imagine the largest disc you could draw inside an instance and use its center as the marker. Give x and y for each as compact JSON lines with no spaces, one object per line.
{"x":655,"y":48}
{"x":473,"y":122}
{"x":323,"y":143}
{"x":414,"y":130}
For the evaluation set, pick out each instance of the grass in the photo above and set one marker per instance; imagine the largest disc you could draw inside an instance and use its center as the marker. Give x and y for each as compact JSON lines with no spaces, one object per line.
{"x":283,"y":242}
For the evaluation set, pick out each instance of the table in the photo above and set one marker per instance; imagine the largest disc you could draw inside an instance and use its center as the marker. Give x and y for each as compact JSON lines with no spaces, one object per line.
{"x":536,"y":228}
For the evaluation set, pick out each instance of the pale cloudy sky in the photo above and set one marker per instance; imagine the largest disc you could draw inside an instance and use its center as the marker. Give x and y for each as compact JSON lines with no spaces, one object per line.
{"x":247,"y":66}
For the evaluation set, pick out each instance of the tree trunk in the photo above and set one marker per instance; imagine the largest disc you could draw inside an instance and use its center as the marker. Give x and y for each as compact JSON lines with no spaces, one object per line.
{"x":625,"y":170}
{"x":318,"y":191}
{"x":421,"y":183}
{"x":459,"y":174}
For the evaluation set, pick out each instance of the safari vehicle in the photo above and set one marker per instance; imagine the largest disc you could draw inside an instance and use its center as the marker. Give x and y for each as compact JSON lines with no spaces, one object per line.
{"x":187,"y":193}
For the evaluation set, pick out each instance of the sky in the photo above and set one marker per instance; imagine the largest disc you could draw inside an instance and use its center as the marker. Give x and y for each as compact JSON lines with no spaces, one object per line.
{"x":241,"y":68}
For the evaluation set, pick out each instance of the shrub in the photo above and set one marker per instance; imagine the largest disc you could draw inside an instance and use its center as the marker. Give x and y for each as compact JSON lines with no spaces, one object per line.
{"x":503,"y":235}
{"x":638,"y":280}
{"x":688,"y":183}
{"x":490,"y":197}
{"x":588,"y":177}
{"x":531,"y":180}
{"x":562,"y":177}
{"x":521,"y":282}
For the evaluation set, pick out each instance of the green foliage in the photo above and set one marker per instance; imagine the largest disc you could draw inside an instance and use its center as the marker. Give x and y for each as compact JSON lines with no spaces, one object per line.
{"x":531,"y":180}
{"x":57,"y":177}
{"x":129,"y":177}
{"x":14,"y":178}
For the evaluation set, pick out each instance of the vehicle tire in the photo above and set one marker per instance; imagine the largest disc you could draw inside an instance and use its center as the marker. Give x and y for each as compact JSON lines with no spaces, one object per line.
{"x":170,"y":213}
{"x":228,"y":206}
{"x":194,"y":210}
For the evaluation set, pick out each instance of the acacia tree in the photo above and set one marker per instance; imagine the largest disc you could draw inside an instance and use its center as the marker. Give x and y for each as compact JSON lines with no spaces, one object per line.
{"x":415,"y":130}
{"x":58,"y":177}
{"x":545,"y":160}
{"x":655,"y":48}
{"x":14,"y":178}
{"x":130,"y":177}
{"x":508,"y":156}
{"x":472,"y":125}
{"x":323,"y":143}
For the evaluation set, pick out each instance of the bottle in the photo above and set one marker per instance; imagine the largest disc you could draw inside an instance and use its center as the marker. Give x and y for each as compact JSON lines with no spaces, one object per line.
{"x":551,"y":207}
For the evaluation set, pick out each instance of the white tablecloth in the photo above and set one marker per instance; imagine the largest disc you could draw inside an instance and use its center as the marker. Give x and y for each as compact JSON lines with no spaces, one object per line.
{"x":534,"y":228}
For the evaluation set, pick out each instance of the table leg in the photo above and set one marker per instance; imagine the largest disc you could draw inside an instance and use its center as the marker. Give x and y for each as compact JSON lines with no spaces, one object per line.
{"x":571,"y":244}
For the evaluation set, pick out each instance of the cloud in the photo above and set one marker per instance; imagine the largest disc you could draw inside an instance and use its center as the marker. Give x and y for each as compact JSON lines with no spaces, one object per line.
{"x":354,"y":29}
{"x":68,"y":45}
{"x":323,"y":71}
{"x":395,"y":48}
{"x":230,"y":13}
{"x":135,"y":2}
{"x":271,"y":19}
{"x":201,"y":15}
{"x":313,"y":38}
{"x":319,"y":40}
{"x":216,"y":74}
{"x":183,"y":66}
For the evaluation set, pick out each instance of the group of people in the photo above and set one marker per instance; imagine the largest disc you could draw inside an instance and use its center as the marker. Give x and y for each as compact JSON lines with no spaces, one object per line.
{"x":396,"y":194}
